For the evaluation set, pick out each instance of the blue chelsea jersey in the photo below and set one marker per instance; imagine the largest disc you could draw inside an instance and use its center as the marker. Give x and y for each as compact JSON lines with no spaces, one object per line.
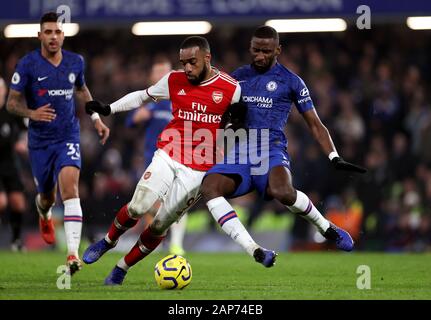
{"x":161,"y":115}
{"x":269,"y":97}
{"x":41,"y":82}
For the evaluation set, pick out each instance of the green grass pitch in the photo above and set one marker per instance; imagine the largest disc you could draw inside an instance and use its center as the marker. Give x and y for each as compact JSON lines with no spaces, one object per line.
{"x":323,"y":275}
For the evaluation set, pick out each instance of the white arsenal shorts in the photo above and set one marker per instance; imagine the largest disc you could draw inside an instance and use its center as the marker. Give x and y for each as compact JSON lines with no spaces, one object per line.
{"x":176,"y":184}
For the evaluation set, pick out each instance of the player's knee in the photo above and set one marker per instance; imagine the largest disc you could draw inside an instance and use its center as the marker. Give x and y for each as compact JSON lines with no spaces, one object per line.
{"x":138,"y":209}
{"x":154,"y":209}
{"x":69,"y":192}
{"x":158,"y":227}
{"x":286,"y":196}
{"x":209,"y":190}
{"x":142,"y":202}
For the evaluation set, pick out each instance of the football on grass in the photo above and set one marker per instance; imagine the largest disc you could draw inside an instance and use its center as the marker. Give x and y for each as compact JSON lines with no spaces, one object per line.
{"x":173,"y":272}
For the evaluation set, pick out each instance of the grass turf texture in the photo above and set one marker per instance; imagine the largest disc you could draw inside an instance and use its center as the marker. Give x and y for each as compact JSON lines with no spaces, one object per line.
{"x":227,"y":276}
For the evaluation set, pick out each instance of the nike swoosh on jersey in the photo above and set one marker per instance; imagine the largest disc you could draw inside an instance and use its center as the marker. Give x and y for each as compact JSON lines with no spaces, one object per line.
{"x":41,"y":78}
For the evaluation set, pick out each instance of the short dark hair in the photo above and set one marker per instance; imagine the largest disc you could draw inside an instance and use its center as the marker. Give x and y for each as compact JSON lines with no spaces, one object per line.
{"x":266,"y":32}
{"x":49,"y":17}
{"x":196,"y":41}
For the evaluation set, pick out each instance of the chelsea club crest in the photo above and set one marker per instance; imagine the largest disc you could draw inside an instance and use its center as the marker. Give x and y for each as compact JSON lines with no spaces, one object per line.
{"x":271,"y":86}
{"x":72,"y":77}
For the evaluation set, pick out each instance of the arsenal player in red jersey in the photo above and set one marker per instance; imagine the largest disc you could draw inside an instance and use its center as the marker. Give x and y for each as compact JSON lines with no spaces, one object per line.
{"x":200,"y":95}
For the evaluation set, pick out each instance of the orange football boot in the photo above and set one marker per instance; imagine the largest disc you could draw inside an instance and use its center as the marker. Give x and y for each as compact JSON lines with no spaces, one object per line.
{"x":46,"y":227}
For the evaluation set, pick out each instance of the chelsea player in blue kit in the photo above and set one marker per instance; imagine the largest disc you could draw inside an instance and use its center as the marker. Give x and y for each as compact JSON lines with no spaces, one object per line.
{"x":269,"y":89}
{"x":42,"y":90}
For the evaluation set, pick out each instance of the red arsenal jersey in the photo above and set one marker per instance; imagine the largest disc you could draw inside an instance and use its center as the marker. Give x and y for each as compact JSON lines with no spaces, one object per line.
{"x":190,"y":138}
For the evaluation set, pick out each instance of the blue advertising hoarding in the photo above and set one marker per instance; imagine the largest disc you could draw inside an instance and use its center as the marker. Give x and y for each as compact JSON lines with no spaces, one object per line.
{"x":123,"y":10}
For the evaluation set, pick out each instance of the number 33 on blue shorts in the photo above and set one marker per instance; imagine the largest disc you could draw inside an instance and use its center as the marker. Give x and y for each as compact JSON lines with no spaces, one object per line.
{"x":47,"y":162}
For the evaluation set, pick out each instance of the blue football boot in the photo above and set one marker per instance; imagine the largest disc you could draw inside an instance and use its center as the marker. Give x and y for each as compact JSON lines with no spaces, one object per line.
{"x":116,"y":277}
{"x":96,"y":250}
{"x":265,"y":256}
{"x":342,"y":238}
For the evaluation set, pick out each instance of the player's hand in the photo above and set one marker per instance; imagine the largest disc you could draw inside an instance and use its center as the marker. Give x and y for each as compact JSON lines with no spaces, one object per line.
{"x":102,"y":130}
{"x":44,"y":113}
{"x":235,"y":116}
{"x":96,"y":106}
{"x":340,"y":164}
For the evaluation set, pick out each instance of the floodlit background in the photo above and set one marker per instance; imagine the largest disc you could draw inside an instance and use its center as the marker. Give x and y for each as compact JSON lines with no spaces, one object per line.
{"x":371,"y":88}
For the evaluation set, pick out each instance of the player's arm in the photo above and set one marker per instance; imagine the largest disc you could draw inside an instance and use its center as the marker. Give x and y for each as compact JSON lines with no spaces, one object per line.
{"x":319,"y":131}
{"x":132,"y":100}
{"x":17,"y":105}
{"x":235,"y":116}
{"x":322,"y":136}
{"x":128,"y":102}
{"x":83,"y":95}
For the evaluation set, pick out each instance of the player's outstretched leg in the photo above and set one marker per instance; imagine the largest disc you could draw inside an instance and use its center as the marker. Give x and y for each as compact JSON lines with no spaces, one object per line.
{"x":228,"y":220}
{"x":341,"y":237}
{"x":121,"y":224}
{"x":265,"y":257}
{"x":146,"y":243}
{"x":306,"y":209}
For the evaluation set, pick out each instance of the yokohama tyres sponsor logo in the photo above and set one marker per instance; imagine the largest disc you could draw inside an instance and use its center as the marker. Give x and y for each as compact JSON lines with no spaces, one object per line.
{"x":258,"y":99}
{"x":261,"y":102}
{"x":67,"y":93}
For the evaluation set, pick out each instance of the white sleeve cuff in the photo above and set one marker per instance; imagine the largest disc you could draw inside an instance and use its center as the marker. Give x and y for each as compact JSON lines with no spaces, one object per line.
{"x":237,"y":94}
{"x":95,"y":116}
{"x":333,"y":155}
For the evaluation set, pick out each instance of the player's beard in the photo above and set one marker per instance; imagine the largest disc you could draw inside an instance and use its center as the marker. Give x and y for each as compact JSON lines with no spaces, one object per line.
{"x":263,"y":69}
{"x":200,"y":78}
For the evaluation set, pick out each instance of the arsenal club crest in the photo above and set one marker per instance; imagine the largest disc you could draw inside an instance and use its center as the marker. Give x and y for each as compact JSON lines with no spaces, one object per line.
{"x":147,"y":175}
{"x":217,"y":96}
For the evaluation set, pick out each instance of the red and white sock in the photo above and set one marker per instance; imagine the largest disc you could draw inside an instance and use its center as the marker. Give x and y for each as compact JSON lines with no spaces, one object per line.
{"x":146,"y":243}
{"x":121,"y":224}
